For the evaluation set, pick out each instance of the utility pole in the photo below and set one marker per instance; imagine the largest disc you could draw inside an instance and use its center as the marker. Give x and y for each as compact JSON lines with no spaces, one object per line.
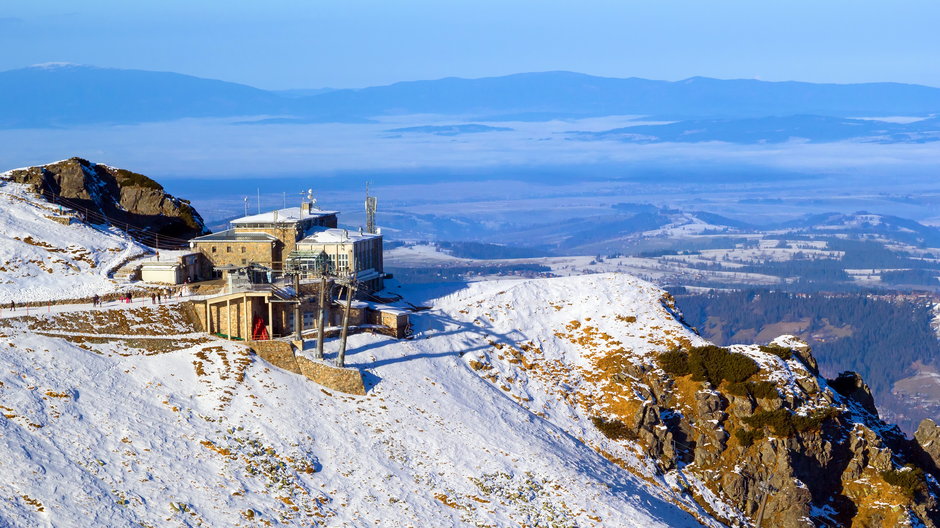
{"x":320,"y":320}
{"x":350,"y":290}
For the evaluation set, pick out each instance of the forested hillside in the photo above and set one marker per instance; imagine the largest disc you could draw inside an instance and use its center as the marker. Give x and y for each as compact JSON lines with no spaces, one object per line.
{"x":877,"y":337}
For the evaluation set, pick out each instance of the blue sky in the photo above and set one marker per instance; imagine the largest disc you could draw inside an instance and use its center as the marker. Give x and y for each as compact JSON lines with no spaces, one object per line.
{"x":280,"y":44}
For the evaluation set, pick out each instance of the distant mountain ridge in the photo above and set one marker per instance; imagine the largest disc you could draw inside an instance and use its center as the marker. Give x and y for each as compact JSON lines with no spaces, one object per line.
{"x":73,"y":95}
{"x":68,"y":95}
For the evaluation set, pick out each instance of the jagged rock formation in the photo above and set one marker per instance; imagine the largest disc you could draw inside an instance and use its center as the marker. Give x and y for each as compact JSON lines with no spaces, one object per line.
{"x":752,"y":434}
{"x":122,"y":196}
{"x":927,"y":446}
{"x":781,"y":448}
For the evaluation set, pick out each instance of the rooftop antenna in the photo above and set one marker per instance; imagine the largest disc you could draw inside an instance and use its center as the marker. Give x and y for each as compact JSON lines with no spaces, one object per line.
{"x":246,"y":206}
{"x":259,"y":200}
{"x":285,"y":199}
{"x":312,"y":200}
{"x":371,"y":204}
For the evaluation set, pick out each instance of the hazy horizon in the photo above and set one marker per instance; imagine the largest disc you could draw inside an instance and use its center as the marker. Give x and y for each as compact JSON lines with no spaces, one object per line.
{"x":291,"y":44}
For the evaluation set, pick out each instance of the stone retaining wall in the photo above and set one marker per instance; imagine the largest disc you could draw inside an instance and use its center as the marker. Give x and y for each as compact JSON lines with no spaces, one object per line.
{"x":281,"y":354}
{"x":348,"y":380}
{"x":278,"y":353}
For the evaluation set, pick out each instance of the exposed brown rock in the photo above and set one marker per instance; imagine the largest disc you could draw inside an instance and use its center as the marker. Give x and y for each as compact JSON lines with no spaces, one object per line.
{"x":927,"y":440}
{"x":124,"y":197}
{"x":825,"y":466}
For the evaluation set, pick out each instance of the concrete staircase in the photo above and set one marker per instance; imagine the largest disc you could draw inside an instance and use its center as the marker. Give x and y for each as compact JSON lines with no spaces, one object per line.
{"x":129,"y":271}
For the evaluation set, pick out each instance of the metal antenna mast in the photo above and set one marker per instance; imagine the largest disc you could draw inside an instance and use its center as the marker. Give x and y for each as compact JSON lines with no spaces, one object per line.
{"x":371,"y":204}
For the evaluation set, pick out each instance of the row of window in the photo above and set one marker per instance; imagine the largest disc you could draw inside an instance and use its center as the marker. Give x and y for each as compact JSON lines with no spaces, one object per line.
{"x":341,"y":263}
{"x":228,"y":249}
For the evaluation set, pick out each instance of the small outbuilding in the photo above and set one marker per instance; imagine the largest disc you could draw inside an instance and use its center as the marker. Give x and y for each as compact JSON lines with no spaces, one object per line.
{"x":174,"y":267}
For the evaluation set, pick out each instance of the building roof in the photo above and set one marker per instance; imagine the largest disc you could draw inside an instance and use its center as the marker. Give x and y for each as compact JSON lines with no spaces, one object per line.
{"x":168,"y":257}
{"x":332,"y":235}
{"x":230,"y":235}
{"x":170,"y":254}
{"x":288,"y":215}
{"x":154,"y":265}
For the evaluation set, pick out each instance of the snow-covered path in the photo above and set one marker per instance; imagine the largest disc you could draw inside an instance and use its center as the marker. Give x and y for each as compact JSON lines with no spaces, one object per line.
{"x":6,"y":312}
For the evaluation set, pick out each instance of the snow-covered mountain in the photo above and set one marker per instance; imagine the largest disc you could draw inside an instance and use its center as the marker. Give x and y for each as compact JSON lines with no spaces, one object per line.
{"x":165,"y":426}
{"x":574,"y":401}
{"x":47,"y":254}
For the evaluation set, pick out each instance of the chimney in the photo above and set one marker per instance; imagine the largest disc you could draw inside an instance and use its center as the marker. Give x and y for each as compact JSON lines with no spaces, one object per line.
{"x":304,"y":208}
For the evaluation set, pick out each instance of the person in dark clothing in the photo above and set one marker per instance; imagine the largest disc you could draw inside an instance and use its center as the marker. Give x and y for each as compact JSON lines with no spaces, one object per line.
{"x":159,"y":298}
{"x":13,"y":306}
{"x":153,"y":298}
{"x":95,"y":301}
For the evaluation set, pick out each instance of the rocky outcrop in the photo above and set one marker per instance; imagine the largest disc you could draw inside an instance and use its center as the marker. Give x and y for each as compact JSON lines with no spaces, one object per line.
{"x":851,"y":385}
{"x":927,"y":439}
{"x":791,"y":450}
{"x":123,"y":197}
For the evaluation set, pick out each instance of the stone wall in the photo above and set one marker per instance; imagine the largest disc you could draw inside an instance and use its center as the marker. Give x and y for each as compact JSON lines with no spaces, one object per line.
{"x":287,"y":235}
{"x":261,"y":252}
{"x":348,"y":380}
{"x":195,"y":314}
{"x":278,"y":353}
{"x":397,"y":322}
{"x":281,"y":354}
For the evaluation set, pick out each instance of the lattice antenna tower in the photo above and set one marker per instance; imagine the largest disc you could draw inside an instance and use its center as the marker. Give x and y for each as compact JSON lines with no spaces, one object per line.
{"x":371,"y":204}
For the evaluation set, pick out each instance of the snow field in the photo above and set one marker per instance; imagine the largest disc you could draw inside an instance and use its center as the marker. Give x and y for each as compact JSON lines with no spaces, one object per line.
{"x":207,"y":435}
{"x":41,"y":259}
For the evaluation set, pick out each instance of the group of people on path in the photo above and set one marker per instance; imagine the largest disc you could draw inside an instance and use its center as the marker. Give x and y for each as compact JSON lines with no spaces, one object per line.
{"x":156,"y":297}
